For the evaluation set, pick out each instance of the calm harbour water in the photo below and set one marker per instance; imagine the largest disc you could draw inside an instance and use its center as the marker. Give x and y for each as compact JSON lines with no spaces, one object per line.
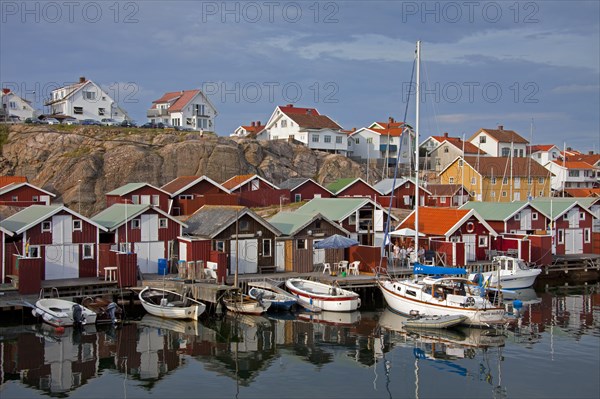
{"x":553,"y":352}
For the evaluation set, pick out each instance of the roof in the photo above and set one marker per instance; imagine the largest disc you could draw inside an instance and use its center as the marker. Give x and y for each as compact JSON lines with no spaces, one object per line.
{"x":72,"y":89}
{"x":592,"y":159}
{"x":540,"y":147}
{"x":469,"y":147}
{"x":392,"y":132}
{"x":502,"y":136}
{"x":386,"y":186}
{"x":291,"y":109}
{"x":390,"y":124}
{"x":6,"y":180}
{"x":499,"y":211}
{"x":253,"y":129}
{"x":341,"y":184}
{"x":182,"y":183}
{"x":442,"y":221}
{"x":117,"y":214}
{"x":499,"y":166}
{"x":289,"y":223}
{"x":314,"y":121}
{"x":443,"y":190}
{"x":237,"y":181}
{"x":573,"y":164}
{"x":180,"y":98}
{"x":210,"y":220}
{"x":554,"y":207}
{"x":583,"y":192}
{"x":337,"y":209}
{"x":35,"y":214}
{"x":13,"y":186}
{"x":129,"y":187}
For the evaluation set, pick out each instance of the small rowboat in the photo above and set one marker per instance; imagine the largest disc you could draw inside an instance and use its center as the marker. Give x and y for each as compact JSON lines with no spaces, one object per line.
{"x":62,"y":313}
{"x":444,"y":321}
{"x":242,"y":303}
{"x":279,"y":302}
{"x":172,"y":305}
{"x":325,"y":296}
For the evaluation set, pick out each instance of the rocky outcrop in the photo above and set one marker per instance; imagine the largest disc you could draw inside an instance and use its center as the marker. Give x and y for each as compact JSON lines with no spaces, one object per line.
{"x":80,"y":164}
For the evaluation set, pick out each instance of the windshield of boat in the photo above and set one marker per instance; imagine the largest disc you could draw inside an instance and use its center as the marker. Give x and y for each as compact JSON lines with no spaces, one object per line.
{"x":522,"y":265}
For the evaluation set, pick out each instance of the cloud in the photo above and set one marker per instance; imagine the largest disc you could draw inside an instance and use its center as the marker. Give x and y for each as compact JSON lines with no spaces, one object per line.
{"x":557,"y":48}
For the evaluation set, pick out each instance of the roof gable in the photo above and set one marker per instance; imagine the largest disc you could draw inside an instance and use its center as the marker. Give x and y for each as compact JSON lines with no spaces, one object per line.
{"x":130,"y":187}
{"x":35,"y":214}
{"x":499,"y":211}
{"x":238,"y":181}
{"x":117,"y":214}
{"x":442,"y":221}
{"x":6,"y":180}
{"x":13,"y":186}
{"x":210,"y":220}
{"x":501,"y":135}
{"x":183,"y":183}
{"x":500,"y":166}
{"x":338,"y":209}
{"x":289,"y":223}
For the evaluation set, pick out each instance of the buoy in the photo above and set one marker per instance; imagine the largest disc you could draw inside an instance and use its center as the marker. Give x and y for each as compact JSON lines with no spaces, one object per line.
{"x":517,"y":304}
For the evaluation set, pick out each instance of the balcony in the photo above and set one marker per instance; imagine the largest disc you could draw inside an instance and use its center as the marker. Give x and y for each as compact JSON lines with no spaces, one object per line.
{"x":383,"y":148}
{"x":154,"y":112}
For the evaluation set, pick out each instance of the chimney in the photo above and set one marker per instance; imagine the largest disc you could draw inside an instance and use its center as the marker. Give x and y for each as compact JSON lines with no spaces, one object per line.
{"x":253,"y":124}
{"x":82,"y":79}
{"x":390,"y":120}
{"x":445,"y":134}
{"x":308,"y":111}
{"x":569,"y":149}
{"x":591,"y":153}
{"x":500,"y":127}
{"x":290,"y":105}
{"x":258,"y":123}
{"x":354,"y":129}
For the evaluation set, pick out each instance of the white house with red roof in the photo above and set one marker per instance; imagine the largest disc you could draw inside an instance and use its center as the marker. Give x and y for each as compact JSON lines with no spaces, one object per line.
{"x":572,"y":174}
{"x":381,"y":140}
{"x":544,"y":153}
{"x":500,"y":142}
{"x":12,"y":104}
{"x":84,"y":100}
{"x":251,"y":130}
{"x":307,"y":126}
{"x":190,"y":109}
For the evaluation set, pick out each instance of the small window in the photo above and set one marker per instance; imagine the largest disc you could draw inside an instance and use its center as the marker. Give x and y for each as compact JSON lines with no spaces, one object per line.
{"x":135,"y":199}
{"x":504,"y":193}
{"x":284,"y":123}
{"x":451,"y":180}
{"x":135,"y":224}
{"x":442,"y":200}
{"x":35,"y":198}
{"x":493,"y":180}
{"x":15,"y":198}
{"x":156,"y":200}
{"x":297,"y":197}
{"x":352,"y":220}
{"x":587,"y":235}
{"x":482,"y":139}
{"x":220,"y":246}
{"x":357,"y":141}
{"x":370,"y":140}
{"x":266,"y":247}
{"x":78,"y":110}
{"x":483,"y":241}
{"x":534,"y":216}
{"x":581,"y":215}
{"x":33,"y":251}
{"x":565,"y":217}
{"x":162,"y":223}
{"x":473,"y":180}
{"x":446,"y":150}
{"x":518,"y":216}
{"x":88,"y":251}
{"x":505,"y":180}
{"x":541,"y":180}
{"x":339,"y":140}
{"x":327,"y":139}
{"x":493,"y":194}
{"x":300,"y":244}
{"x":123,"y":247}
{"x":186,"y":197}
{"x":244,"y":225}
{"x":315,"y":138}
{"x":460,"y":162}
{"x":77,"y":225}
{"x":46,"y":226}
{"x":411,"y":293}
{"x":255,"y":185}
{"x":101,"y":111}
{"x":561,"y":236}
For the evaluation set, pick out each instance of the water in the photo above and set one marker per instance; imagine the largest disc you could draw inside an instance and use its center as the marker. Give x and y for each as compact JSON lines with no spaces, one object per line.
{"x":553,"y":352}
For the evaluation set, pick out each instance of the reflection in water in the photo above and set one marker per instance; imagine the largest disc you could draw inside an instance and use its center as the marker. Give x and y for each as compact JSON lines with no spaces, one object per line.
{"x":240,"y":349}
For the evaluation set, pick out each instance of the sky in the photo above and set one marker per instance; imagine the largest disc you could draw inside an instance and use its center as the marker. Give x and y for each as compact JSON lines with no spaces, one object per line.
{"x":531,"y":66}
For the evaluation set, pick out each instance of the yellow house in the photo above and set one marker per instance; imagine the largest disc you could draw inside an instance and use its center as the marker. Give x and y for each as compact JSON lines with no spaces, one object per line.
{"x":499,"y":179}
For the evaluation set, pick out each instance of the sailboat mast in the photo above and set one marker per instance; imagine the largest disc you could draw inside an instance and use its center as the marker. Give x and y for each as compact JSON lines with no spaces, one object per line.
{"x":418,"y":100}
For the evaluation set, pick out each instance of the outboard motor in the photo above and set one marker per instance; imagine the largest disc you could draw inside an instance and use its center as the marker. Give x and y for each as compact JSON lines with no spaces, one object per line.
{"x":111,"y":310}
{"x":78,"y":317}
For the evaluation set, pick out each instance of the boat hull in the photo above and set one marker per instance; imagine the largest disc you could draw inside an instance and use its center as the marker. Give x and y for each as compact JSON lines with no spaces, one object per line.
{"x":59,"y":312}
{"x":406,"y":305}
{"x":170,"y":309}
{"x":278,"y":301}
{"x":326,"y":297}
{"x":246,"y":305}
{"x":510,"y":281}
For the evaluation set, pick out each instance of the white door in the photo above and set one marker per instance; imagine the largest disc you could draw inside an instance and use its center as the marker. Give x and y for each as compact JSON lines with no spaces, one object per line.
{"x":517,"y":196}
{"x":149,"y":226}
{"x":470,"y":241}
{"x":378,"y":220}
{"x":62,"y":229}
{"x":61,"y":261}
{"x":148,"y":254}
{"x":573,"y":216}
{"x":145,"y":199}
{"x":318,"y":254}
{"x":183,"y":250}
{"x":574,"y":241}
{"x":526,"y":219}
{"x":280,"y":256}
{"x":247,"y":260}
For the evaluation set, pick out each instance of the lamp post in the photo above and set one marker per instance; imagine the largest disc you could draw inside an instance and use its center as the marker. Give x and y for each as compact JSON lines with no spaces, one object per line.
{"x":79,"y":195}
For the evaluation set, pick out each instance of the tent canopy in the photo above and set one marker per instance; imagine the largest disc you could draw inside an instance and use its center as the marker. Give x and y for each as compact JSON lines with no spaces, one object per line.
{"x":335,"y":241}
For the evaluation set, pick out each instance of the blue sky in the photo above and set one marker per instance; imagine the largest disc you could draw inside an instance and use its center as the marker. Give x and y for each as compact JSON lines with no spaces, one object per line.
{"x":485,"y":63}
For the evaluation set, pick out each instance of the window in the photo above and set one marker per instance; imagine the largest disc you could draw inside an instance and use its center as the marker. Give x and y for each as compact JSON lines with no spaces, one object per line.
{"x":442,"y":200}
{"x":124,"y":247}
{"x":561,"y":236}
{"x":186,"y":197}
{"x":88,"y":251}
{"x":255,"y":184}
{"x":135,"y":199}
{"x":220,"y":246}
{"x":460,"y":162}
{"x":266,"y":247}
{"x":101,"y":111}
{"x":581,"y":215}
{"x":446,"y":150}
{"x":15,"y":198}
{"x":300,"y":244}
{"x":473,"y":180}
{"x":451,"y":180}
{"x":327,"y":139}
{"x":587,"y":235}
{"x":317,"y":224}
{"x":284,"y":123}
{"x":357,"y":141}
{"x":565,"y":217}
{"x":534,"y":216}
{"x":156,"y":200}
{"x":504,"y":193}
{"x":135,"y":224}
{"x":515,"y":153}
{"x":244,"y":225}
{"x":482,"y":241}
{"x":33,"y":251}
{"x":339,"y":140}
{"x":297,"y":197}
{"x":89,"y":95}
{"x":573,"y":173}
{"x":35,"y":198}
{"x":505,"y":180}
{"x":315,"y":138}
{"x":518,"y":216}
{"x":370,"y":140}
{"x":46,"y":226}
{"x":505,"y":152}
{"x":493,"y":194}
{"x":77,"y":224}
{"x":13,"y":105}
{"x":493,"y":180}
{"x":472,"y":193}
{"x":352,"y":220}
{"x":482,"y":139}
{"x":541,"y":194}
{"x":541,"y":180}
{"x":162,"y":223}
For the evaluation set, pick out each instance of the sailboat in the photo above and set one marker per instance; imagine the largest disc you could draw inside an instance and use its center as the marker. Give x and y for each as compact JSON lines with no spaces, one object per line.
{"x":438,"y":295}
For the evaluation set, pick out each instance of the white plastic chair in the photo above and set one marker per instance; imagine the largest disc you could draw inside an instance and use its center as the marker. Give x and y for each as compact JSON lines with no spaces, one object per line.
{"x":353,"y":268}
{"x":326,"y":266}
{"x":342,"y":266}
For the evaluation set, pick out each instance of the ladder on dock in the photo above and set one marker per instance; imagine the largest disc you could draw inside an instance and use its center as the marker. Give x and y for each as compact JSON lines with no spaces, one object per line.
{"x":274,"y":286}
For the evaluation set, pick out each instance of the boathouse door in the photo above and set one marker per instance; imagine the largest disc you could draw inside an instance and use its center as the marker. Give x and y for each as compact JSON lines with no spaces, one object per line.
{"x":248,"y":256}
{"x":573,"y":241}
{"x":526,"y":219}
{"x":62,"y":256}
{"x":469,"y":240}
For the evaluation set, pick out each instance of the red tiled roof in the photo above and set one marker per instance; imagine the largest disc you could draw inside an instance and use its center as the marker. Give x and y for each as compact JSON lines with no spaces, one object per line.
{"x":6,"y":180}
{"x":390,"y":125}
{"x":290,"y":109}
{"x":254,"y":129}
{"x":435,"y":221}
{"x":574,"y":164}
{"x":498,"y":166}
{"x":583,"y":192}
{"x":589,"y":158}
{"x":180,"y":98}
{"x":470,"y":148}
{"x":502,"y":136}
{"x":235,"y":181}
{"x":177,"y":184}
{"x":540,"y":147}
{"x":393,"y":132}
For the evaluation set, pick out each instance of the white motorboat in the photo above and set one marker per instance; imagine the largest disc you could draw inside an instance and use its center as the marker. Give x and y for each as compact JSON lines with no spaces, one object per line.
{"x":448,"y":295}
{"x":62,"y":313}
{"x":169,"y":304}
{"x":513,"y":272}
{"x":325,"y":296}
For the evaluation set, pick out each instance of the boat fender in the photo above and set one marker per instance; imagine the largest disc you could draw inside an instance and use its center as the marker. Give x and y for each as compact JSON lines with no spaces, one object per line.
{"x":517,"y":304}
{"x":470,"y":301}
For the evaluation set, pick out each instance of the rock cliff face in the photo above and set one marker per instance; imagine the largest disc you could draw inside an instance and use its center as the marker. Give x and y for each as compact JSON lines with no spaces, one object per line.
{"x":81,"y":164}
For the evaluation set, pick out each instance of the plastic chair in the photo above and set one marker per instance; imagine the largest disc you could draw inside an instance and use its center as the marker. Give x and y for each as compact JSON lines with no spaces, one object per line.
{"x":326,"y":266}
{"x":353,"y":268}
{"x":343,"y":266}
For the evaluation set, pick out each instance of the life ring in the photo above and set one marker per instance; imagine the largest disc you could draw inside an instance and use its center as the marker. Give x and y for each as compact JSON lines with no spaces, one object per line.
{"x":470,"y":227}
{"x":470,"y":301}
